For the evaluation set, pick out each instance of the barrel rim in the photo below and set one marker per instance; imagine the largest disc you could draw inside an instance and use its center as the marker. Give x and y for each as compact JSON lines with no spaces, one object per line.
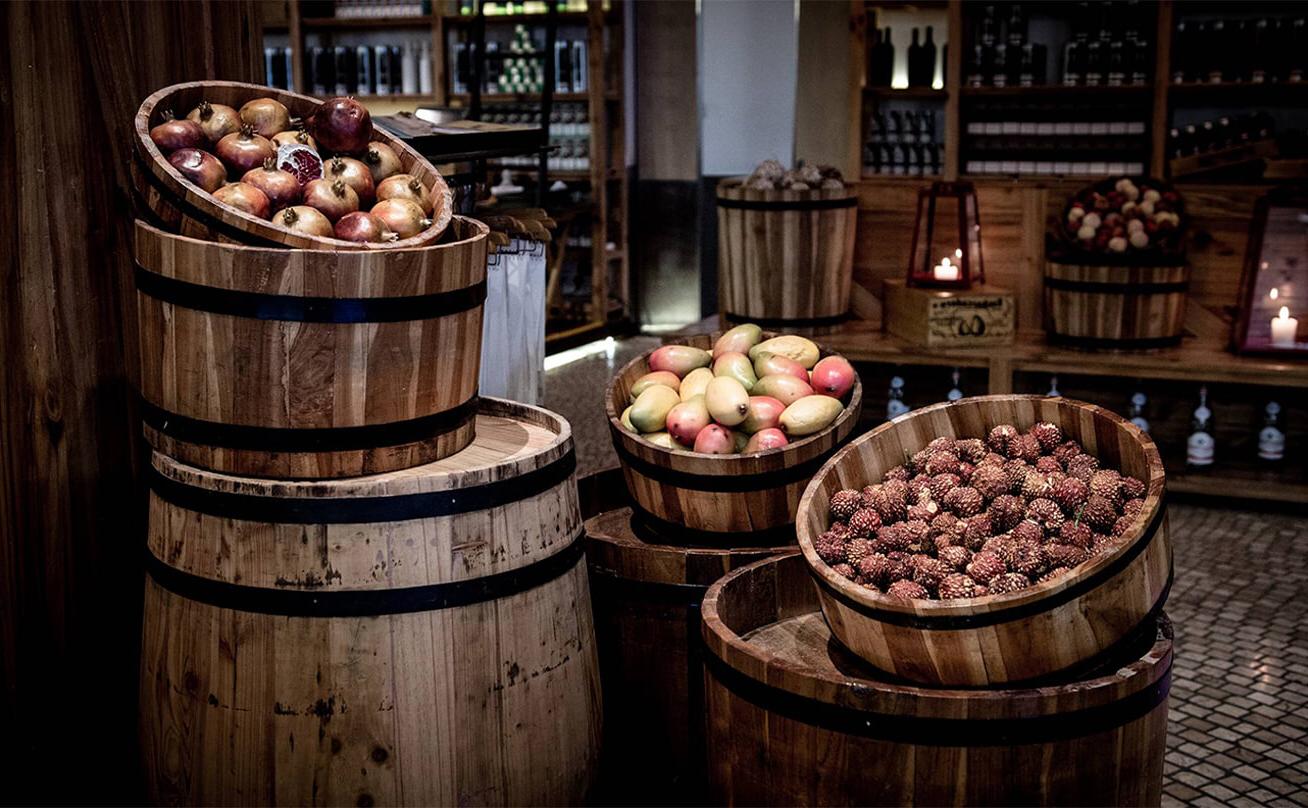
{"x":1138,"y":533}
{"x":416,"y":480}
{"x":187,"y":192}
{"x":735,"y":184}
{"x":851,"y":692}
{"x":688,"y":463}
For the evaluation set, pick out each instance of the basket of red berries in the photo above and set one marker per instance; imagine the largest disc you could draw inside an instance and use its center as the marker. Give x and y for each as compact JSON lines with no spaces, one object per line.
{"x":1116,"y":275}
{"x":989,"y":540}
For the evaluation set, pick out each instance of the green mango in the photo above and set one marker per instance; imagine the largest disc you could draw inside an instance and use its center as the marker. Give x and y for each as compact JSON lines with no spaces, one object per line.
{"x":739,"y":339}
{"x":661,"y":439}
{"x":678,"y":359}
{"x":784,"y":388}
{"x":810,"y":415}
{"x":695,"y":383}
{"x":625,"y":420}
{"x":650,"y":411}
{"x":803,"y":351}
{"x":727,"y":399}
{"x":737,"y":366}
{"x":662,"y":377}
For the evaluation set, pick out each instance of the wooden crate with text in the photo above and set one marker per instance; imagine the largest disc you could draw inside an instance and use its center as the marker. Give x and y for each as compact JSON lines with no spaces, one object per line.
{"x":950,"y":318}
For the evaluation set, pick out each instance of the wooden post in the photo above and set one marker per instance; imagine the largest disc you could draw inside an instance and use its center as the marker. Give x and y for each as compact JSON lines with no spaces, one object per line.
{"x":953,"y":83}
{"x":1162,"y":79}
{"x":857,"y":76}
{"x":599,"y":164}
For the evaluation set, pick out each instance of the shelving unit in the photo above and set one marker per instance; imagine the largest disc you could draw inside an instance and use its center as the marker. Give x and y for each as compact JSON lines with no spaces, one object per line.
{"x":604,"y":214}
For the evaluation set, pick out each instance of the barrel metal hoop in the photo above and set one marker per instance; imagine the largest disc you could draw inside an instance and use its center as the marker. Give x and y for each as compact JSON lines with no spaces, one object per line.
{"x":677,"y":594}
{"x":728,"y":483}
{"x":941,"y":732}
{"x":366,"y":602}
{"x":656,"y":530}
{"x":1110,"y":288}
{"x":785,"y":205}
{"x":304,"y":439}
{"x":787,"y":322}
{"x":362,"y":510}
{"x":306,"y":309}
{"x":979,"y":620}
{"x":1113,"y":343}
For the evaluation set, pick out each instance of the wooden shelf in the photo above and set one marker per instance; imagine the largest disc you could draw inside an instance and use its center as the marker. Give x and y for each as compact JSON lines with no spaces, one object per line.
{"x":564,"y":18}
{"x":1239,"y":93}
{"x":1239,"y":482}
{"x":492,"y":98}
{"x":907,"y":93}
{"x":1044,"y":91}
{"x":366,"y":22}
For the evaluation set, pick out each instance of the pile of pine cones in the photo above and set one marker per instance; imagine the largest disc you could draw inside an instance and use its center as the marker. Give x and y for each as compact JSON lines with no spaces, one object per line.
{"x":771,"y":175}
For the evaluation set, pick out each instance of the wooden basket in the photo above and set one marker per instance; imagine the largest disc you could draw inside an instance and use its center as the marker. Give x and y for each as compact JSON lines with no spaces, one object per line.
{"x":794,"y":720}
{"x":1108,"y":307}
{"x":719,"y":497}
{"x":309,"y":364}
{"x":785,"y":258}
{"x":422,"y":637}
{"x":173,"y":203}
{"x":1051,"y":627}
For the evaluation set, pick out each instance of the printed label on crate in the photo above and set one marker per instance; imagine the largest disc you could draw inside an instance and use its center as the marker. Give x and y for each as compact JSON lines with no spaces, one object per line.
{"x":958,"y":319}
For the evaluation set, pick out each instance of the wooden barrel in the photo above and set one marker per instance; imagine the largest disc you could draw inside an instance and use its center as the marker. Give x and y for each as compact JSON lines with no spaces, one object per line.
{"x":1106,"y":307}
{"x":785,"y":258}
{"x":678,"y":491}
{"x":1061,"y":625}
{"x":795,"y":720}
{"x":422,"y":637}
{"x":309,"y":363}
{"x":646,"y":594}
{"x":170,"y":201}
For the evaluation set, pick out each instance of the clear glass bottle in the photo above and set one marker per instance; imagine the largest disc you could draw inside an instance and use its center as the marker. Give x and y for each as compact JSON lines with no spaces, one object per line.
{"x":1271,"y":439}
{"x":954,"y":393}
{"x":1201,"y":446}
{"x":1053,"y":388}
{"x":1136,"y":411}
{"x":895,"y":405}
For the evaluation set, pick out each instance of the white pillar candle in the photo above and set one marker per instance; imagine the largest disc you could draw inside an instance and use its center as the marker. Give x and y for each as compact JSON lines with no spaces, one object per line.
{"x":945,"y":271}
{"x":1284,"y":329}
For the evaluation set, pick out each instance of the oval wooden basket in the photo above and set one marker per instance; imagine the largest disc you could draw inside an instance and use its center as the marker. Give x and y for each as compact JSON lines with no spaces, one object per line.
{"x":1109,"y":307}
{"x":1051,"y":627}
{"x":795,"y":720}
{"x":422,"y":637}
{"x":175,"y":204}
{"x":785,"y":258}
{"x":680,"y":493}
{"x":309,"y":363}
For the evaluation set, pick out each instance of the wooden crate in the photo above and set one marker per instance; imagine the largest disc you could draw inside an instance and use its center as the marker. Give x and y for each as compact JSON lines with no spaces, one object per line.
{"x":950,"y":318}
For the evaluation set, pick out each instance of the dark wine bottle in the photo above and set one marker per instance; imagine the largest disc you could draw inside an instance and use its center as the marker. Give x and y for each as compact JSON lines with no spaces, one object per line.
{"x":991,"y":59}
{"x":929,"y":58}
{"x":1074,"y":53}
{"x":915,"y":73}
{"x":1182,"y":44}
{"x":1116,"y":64}
{"x":887,"y":58}
{"x":1139,"y":58}
{"x":1298,"y":41}
{"x":873,"y":57}
{"x":1026,"y":71}
{"x":976,"y":75}
{"x":1213,"y":54}
{"x":1016,"y":38}
{"x":1260,"y":45}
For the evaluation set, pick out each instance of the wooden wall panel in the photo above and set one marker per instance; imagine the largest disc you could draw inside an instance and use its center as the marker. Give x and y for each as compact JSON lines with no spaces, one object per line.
{"x":1014,"y":219}
{"x":71,"y":508}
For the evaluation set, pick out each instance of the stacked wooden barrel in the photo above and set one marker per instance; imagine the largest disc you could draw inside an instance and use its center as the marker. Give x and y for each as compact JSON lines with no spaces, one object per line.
{"x":365,"y":585}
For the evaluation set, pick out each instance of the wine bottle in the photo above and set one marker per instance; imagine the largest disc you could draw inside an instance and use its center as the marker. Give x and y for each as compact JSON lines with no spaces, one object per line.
{"x":1136,"y":412}
{"x":954,"y":393}
{"x":915,"y":61}
{"x":1201,"y":446}
{"x":1182,"y":43}
{"x":1258,"y":55}
{"x":991,"y":63}
{"x":1271,"y":440}
{"x":895,"y":405}
{"x":976,"y":76}
{"x":1053,"y":387}
{"x":929,"y":59}
{"x":1213,"y":54}
{"x":1139,"y":58}
{"x":886,"y":66}
{"x":1116,"y":64}
{"x":1298,"y":41}
{"x":1016,"y":39}
{"x":873,"y":57}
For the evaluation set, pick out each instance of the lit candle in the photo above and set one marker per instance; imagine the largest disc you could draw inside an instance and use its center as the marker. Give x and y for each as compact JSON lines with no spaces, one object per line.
{"x":945,"y":271}
{"x":1284,"y":329}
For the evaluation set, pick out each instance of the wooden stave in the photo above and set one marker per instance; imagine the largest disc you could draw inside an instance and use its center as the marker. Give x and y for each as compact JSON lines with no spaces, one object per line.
{"x":819,"y":290}
{"x":178,"y":205}
{"x":760,"y":506}
{"x":921,"y":646}
{"x":887,"y":739}
{"x":444,"y":385}
{"x":1103,"y":318}
{"x":174,"y":683}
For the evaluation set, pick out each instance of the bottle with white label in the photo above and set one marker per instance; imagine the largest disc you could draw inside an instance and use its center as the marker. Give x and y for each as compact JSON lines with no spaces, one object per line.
{"x":954,"y":393}
{"x":1271,"y":440}
{"x":1136,"y":411}
{"x":896,"y":407}
{"x":1053,"y":388}
{"x":1201,"y":446}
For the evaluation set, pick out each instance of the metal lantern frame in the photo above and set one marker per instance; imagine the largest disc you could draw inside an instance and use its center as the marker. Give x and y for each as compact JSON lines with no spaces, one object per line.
{"x":1254,"y":279}
{"x":921,"y":262}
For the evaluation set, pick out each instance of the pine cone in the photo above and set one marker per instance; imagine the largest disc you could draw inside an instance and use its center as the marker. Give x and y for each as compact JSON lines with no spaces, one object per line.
{"x":857,"y":550}
{"x":1075,"y":534}
{"x":1047,"y":435}
{"x":942,"y":484}
{"x":1082,"y":467}
{"x":956,"y":586}
{"x":864,"y":523}
{"x":984,"y":566}
{"x":918,"y":533}
{"x":925,"y":510}
{"x":1064,"y":555}
{"x":1066,"y":451}
{"x":942,"y":444}
{"x":1008,"y":582}
{"x":1046,"y":513}
{"x":1024,"y":447}
{"x":1070,"y":493}
{"x":899,"y":472}
{"x":1107,"y":484}
{"x":830,"y":549}
{"x":964,"y":502}
{"x":845,"y":570}
{"x":971,"y":450}
{"x":1099,"y":513}
{"x":929,"y":572}
{"x":956,"y":557}
{"x":990,"y":481}
{"x":1016,"y":471}
{"x":1000,"y":438}
{"x":1056,"y":572}
{"x":1006,"y":511}
{"x":1028,"y":530}
{"x":1133,"y":488}
{"x":977,"y":530}
{"x":1048,"y":465}
{"x":1122,"y":525}
{"x":1029,"y":559}
{"x":907,"y":590}
{"x":941,"y":463}
{"x":892,"y":537}
{"x":875,"y":568}
{"x":844,"y":503}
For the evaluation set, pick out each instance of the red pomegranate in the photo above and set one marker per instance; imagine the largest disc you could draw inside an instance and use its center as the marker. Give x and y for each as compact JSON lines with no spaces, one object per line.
{"x":332,"y":197}
{"x":244,"y":150}
{"x":294,"y":137}
{"x":363,"y":227}
{"x":281,"y":187}
{"x":353,"y":173}
{"x":342,"y":125}
{"x":382,"y":161}
{"x":304,"y":220}
{"x":407,"y":186}
{"x":268,"y":116}
{"x":402,"y":216}
{"x":217,"y":120}
{"x":245,"y":197}
{"x":173,"y":134}
{"x":200,"y":167}
{"x":300,"y":161}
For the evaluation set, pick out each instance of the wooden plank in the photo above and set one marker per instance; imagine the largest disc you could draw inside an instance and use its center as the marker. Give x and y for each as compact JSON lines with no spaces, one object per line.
{"x":953,"y":85}
{"x":1162,"y":79}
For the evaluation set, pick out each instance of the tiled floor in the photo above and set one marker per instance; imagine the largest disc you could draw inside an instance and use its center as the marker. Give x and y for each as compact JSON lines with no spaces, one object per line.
{"x":1239,"y":705}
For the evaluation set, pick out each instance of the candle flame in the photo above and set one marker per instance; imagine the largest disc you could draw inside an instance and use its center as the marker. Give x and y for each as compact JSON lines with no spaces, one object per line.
{"x":1275,"y":293}
{"x":944,"y":262}
{"x":958,"y":253}
{"x":1285,"y":313}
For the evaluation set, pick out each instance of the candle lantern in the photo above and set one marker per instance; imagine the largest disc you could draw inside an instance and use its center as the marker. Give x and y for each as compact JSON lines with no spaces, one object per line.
{"x":1273,"y":315}
{"x":947,"y":238}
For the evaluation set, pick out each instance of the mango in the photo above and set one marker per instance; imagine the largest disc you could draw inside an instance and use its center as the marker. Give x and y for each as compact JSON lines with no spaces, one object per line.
{"x":764,"y":413}
{"x":737,"y":366}
{"x":777,"y":365}
{"x":678,"y":359}
{"x":650,"y":411}
{"x":662,"y":440}
{"x":662,"y":377}
{"x":739,"y":339}
{"x":739,"y":440}
{"x":766,"y":439}
{"x":727,"y":400}
{"x":803,"y":351}
{"x":625,"y":420}
{"x":809,"y":415}
{"x":686,"y":419}
{"x":695,"y":383}
{"x":833,"y":376}
{"x":715,"y":439}
{"x":786,"y":389}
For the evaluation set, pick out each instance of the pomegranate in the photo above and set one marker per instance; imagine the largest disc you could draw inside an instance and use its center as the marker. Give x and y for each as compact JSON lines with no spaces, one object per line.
{"x":332,"y":197}
{"x":173,"y":134}
{"x":363,"y":227}
{"x":403,"y":216}
{"x":294,"y":137}
{"x":217,"y":120}
{"x":406,"y":186}
{"x":244,"y":150}
{"x":281,"y":187}
{"x":304,"y":220}
{"x":354,"y":174}
{"x":244,"y":196}
{"x":200,"y":167}
{"x":342,"y":125}
{"x":301,"y":162}
{"x":382,"y":161}
{"x":268,"y":116}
